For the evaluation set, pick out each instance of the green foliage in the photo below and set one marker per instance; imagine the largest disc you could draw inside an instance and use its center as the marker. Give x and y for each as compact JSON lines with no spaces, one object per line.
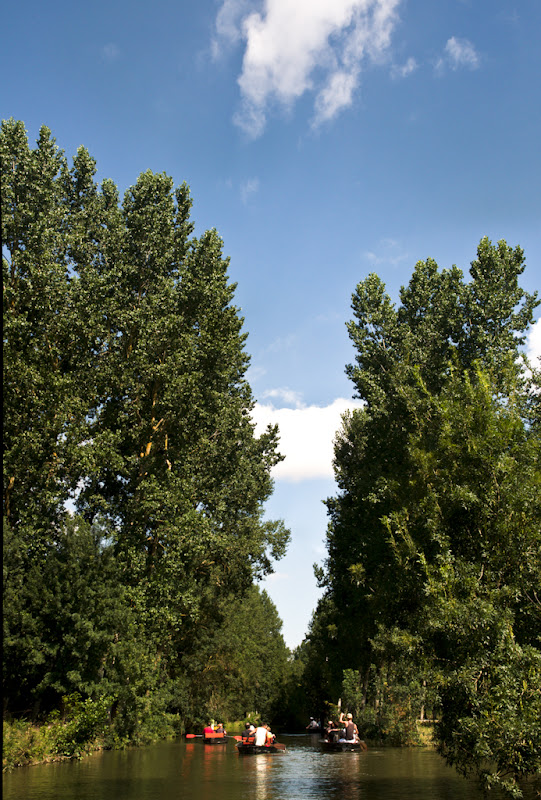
{"x":83,"y":721}
{"x":398,"y":695}
{"x":23,"y":743}
{"x":434,"y":545}
{"x":125,"y":396}
{"x":81,"y":729}
{"x":243,"y":661}
{"x":491,"y":709}
{"x":296,"y":702}
{"x":61,"y":614}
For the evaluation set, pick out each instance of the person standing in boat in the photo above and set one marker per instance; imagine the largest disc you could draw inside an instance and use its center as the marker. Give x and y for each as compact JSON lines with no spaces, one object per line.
{"x":351,"y":732}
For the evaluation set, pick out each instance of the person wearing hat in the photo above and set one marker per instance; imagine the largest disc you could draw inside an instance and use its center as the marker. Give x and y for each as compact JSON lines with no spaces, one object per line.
{"x":351,"y":732}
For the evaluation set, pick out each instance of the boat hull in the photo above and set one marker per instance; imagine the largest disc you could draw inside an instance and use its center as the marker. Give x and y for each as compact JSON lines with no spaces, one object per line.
{"x":255,"y":749}
{"x":342,"y":747}
{"x":214,"y":738}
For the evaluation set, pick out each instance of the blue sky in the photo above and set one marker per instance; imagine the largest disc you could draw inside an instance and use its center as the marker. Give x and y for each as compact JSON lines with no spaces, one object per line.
{"x":324,"y":139}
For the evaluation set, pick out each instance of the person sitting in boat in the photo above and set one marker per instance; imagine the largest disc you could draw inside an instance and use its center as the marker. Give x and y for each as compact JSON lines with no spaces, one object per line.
{"x":209,"y":729}
{"x":220,"y":728}
{"x":271,"y":737}
{"x":312,"y":725}
{"x":350,"y":732}
{"x":263,"y":735}
{"x":332,"y":731}
{"x":260,"y":735}
{"x":248,"y":732}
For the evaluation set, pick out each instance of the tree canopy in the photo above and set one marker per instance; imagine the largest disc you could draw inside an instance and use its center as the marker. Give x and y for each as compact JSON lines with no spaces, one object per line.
{"x":434,"y":542}
{"x":126,"y":401}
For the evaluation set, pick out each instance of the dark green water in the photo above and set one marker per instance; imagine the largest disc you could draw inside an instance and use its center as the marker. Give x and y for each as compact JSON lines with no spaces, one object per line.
{"x":183,"y":770}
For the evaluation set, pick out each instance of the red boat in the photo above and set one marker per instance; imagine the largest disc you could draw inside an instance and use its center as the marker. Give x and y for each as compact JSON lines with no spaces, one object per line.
{"x":209,"y":736}
{"x":214,"y":738}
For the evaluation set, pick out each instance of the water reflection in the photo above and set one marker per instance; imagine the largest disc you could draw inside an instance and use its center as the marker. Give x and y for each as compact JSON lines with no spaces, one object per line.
{"x":192,"y":771}
{"x":260,"y":770}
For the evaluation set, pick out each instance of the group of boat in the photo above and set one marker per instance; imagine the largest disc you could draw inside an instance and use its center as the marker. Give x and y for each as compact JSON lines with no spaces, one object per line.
{"x":246,"y":744}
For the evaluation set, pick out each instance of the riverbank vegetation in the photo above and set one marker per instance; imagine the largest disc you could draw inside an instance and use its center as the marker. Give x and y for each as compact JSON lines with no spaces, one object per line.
{"x":84,"y":728}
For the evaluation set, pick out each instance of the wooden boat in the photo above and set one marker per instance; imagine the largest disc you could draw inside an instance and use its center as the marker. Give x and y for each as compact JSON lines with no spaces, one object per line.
{"x":248,"y":747}
{"x":342,"y":746}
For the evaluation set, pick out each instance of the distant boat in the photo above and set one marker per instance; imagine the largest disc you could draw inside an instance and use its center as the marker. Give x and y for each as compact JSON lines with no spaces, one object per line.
{"x":342,"y":745}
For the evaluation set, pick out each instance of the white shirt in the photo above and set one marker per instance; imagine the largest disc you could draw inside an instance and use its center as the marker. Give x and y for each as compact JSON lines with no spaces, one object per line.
{"x":260,"y":736}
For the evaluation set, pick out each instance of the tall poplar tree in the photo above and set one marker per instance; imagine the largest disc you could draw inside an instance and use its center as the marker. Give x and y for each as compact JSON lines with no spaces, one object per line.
{"x":125,"y":393}
{"x":431,"y":516}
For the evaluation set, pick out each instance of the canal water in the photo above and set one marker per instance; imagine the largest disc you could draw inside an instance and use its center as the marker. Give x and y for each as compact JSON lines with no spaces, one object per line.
{"x":190,"y":770}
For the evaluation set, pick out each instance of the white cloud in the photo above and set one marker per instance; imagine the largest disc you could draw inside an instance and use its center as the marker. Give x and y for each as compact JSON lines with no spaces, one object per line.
{"x":253,"y":374}
{"x":458,"y":53}
{"x":404,"y":70}
{"x":461,"y":53}
{"x":282,"y":343}
{"x":248,"y":188}
{"x":228,"y":23}
{"x":306,"y":437}
{"x":276,"y":577}
{"x":292,"y":47}
{"x":388,"y":252}
{"x":336,"y":95}
{"x":534,"y":343}
{"x":289,"y":396}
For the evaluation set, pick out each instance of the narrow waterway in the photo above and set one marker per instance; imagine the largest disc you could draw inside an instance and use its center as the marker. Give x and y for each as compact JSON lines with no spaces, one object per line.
{"x":182,"y":770}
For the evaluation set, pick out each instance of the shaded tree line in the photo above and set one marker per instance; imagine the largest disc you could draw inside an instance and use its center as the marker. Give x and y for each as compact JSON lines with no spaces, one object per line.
{"x":431,"y":605}
{"x":133,"y":482}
